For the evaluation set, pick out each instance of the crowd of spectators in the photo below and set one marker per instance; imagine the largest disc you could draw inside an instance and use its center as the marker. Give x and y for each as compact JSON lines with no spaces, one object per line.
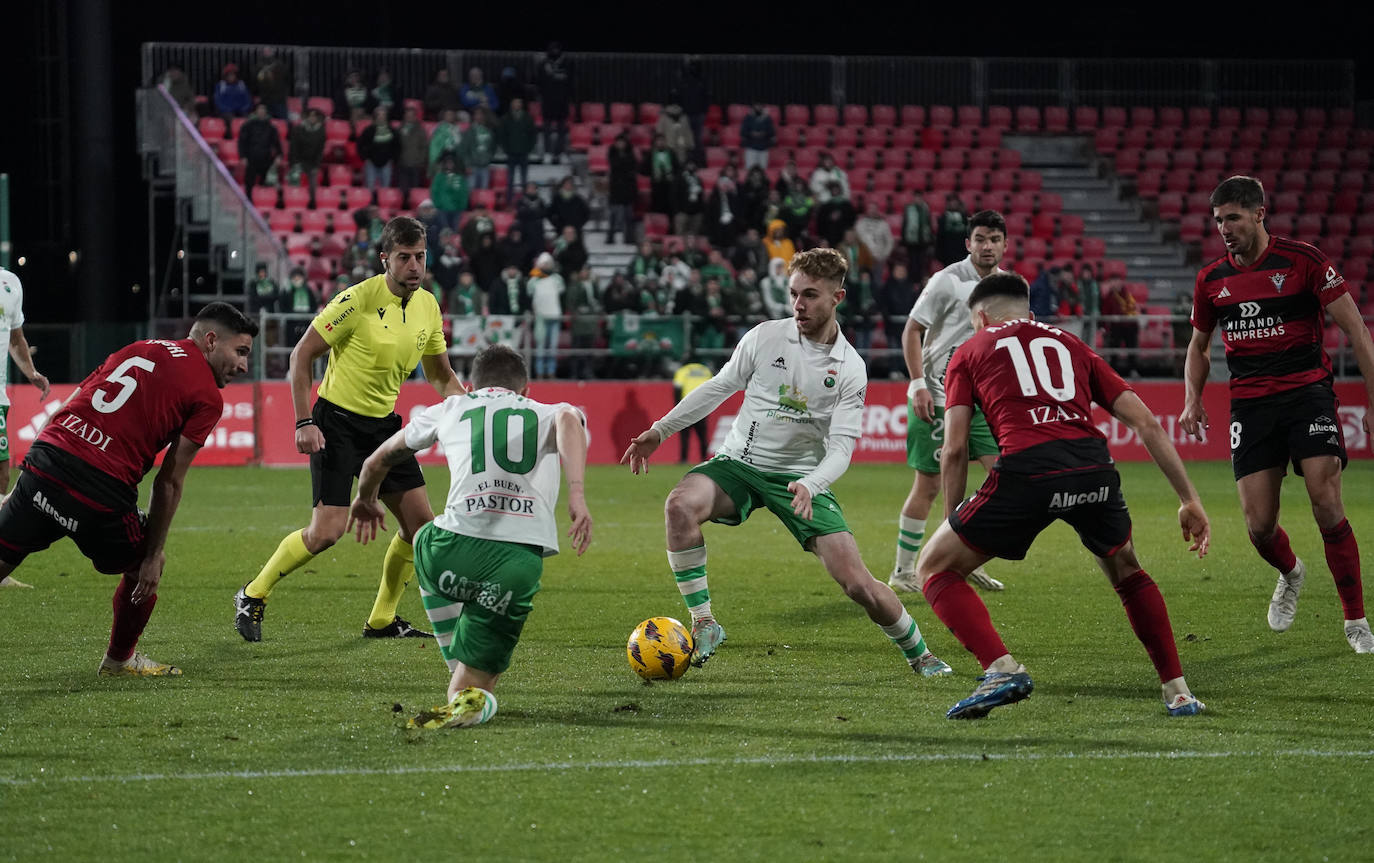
{"x":723,"y":267}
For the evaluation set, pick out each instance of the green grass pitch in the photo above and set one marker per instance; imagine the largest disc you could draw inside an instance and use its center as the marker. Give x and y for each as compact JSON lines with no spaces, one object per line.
{"x":806,"y":738}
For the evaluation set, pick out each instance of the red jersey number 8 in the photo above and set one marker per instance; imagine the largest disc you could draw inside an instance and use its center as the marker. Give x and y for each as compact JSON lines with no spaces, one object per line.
{"x":107,"y":404}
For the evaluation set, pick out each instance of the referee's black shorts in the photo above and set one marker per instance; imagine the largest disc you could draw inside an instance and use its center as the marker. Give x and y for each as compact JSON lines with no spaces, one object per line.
{"x":349,"y":439}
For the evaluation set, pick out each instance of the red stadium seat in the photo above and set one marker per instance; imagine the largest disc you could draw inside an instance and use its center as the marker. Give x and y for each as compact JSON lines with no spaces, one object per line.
{"x":1251,"y":137}
{"x":1313,"y":118}
{"x":1341,"y":118}
{"x":884,"y":115}
{"x":1169,"y":117}
{"x":622,"y":113}
{"x":592,"y":112}
{"x":356,"y":198}
{"x":264,"y":197}
{"x":1093,"y":247}
{"x":923,"y":159}
{"x":1361,"y":246}
{"x":328,"y":197}
{"x":389,"y":199}
{"x":1171,"y":206}
{"x":998,"y":117}
{"x":281,"y":221}
{"x":314,"y":222}
{"x":324,"y":104}
{"x":655,"y":225}
{"x":960,"y":137}
{"x":1056,"y":119}
{"x":295,"y":197}
{"x":1227,"y":117}
{"x":212,"y":129}
{"x":649,"y":111}
{"x":1032,"y":181}
{"x":825,"y":115}
{"x":1256,"y":118}
{"x":1329,"y":159}
{"x":855,"y":115}
{"x":1322,"y":181}
{"x":1086,"y":118}
{"x":729,"y":137}
{"x":1149,"y":183}
{"x":580,"y":136}
{"x":1283,"y":117}
{"x":1114,"y":115}
{"x":940,"y":116}
{"x":1028,"y":118}
{"x":913,"y":115}
{"x":796,"y":115}
{"x":339,"y":176}
{"x":1142,"y":115}
{"x":1339,"y":225}
{"x":844,"y":137}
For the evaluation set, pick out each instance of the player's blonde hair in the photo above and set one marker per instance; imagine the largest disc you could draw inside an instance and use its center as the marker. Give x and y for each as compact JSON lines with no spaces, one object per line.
{"x":823,"y":265}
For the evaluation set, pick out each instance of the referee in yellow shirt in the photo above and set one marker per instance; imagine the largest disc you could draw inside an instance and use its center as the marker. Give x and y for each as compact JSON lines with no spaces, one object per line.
{"x":687,"y":378}
{"x":375,"y":333}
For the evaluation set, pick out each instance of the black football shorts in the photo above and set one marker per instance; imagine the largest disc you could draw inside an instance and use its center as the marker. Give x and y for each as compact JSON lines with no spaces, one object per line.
{"x":349,"y":439}
{"x":41,"y":511}
{"x":1271,"y":431}
{"x":1010,"y":510}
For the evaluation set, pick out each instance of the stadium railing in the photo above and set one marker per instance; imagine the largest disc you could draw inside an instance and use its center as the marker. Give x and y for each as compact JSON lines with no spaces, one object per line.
{"x":240,"y":238}
{"x":628,"y":345}
{"x":890,"y":80}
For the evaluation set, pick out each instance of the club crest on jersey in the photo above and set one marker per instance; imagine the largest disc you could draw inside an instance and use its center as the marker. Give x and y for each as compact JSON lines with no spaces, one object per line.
{"x":1277,"y":279}
{"x":780,"y":363}
{"x":829,"y":382}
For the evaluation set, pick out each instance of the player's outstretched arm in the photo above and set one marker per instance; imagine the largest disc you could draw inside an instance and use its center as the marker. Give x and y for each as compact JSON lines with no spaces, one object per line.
{"x":570,"y":436}
{"x":440,"y":374}
{"x":312,"y":346}
{"x":916,"y":391}
{"x":1347,"y":316}
{"x":954,"y":455}
{"x":365,"y":515}
{"x":1132,"y":411}
{"x":643,"y":446}
{"x":1197,"y":365}
{"x":23,"y":358}
{"x":171,"y":479}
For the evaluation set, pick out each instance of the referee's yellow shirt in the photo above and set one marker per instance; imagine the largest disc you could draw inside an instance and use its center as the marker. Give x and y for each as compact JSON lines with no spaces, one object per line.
{"x":691,"y":376}
{"x":375,"y":344}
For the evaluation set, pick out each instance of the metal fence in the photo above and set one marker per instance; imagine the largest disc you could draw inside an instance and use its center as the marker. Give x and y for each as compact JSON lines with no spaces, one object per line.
{"x":608,"y":359}
{"x":239,"y":236}
{"x":633,"y":77}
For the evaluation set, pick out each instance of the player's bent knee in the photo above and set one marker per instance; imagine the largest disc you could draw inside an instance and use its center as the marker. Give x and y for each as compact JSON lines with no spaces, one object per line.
{"x":681,"y":508}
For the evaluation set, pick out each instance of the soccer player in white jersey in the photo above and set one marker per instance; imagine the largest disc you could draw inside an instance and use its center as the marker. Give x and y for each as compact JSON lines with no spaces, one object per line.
{"x":12,"y":322}
{"x":802,"y":414}
{"x":479,"y":562}
{"x":937,"y":326}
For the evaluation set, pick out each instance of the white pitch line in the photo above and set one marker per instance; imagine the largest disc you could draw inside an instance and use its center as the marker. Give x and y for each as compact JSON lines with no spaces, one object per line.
{"x":765,"y":760}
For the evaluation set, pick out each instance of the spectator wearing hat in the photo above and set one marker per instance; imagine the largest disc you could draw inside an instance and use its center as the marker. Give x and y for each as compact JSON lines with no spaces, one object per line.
{"x":232,"y":98}
{"x":546,"y":291}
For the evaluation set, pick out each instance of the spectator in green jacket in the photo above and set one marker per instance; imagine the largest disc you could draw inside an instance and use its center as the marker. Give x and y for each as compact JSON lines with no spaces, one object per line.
{"x":478,"y":148}
{"x":517,"y":139}
{"x":449,"y":192}
{"x":446,"y":138}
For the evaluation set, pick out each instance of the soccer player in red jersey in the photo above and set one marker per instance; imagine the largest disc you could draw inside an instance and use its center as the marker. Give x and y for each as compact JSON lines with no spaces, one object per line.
{"x":1271,"y":296}
{"x":81,"y":476}
{"x":1036,"y":385}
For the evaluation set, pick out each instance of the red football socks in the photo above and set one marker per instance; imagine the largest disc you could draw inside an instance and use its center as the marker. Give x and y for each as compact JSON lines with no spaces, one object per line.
{"x":959,"y":607}
{"x":1149,"y":619}
{"x":1343,"y":557}
{"x":1277,"y":552}
{"x":129,"y":620}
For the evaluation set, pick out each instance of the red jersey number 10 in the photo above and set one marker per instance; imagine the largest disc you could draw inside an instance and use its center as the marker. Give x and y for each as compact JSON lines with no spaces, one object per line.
{"x":1039,"y":349}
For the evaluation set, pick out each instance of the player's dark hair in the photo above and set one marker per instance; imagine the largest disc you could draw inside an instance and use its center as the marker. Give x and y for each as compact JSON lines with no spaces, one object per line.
{"x":1000,"y":285}
{"x":990,"y":219}
{"x":226,"y":317}
{"x":500,"y":366}
{"x":402,"y":230}
{"x":1246,"y":192}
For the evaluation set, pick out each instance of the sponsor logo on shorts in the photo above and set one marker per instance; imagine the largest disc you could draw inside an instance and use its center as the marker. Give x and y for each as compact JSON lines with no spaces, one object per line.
{"x":1322,"y":425}
{"x":487,"y":594}
{"x":40,"y":501}
{"x":1061,"y":501}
